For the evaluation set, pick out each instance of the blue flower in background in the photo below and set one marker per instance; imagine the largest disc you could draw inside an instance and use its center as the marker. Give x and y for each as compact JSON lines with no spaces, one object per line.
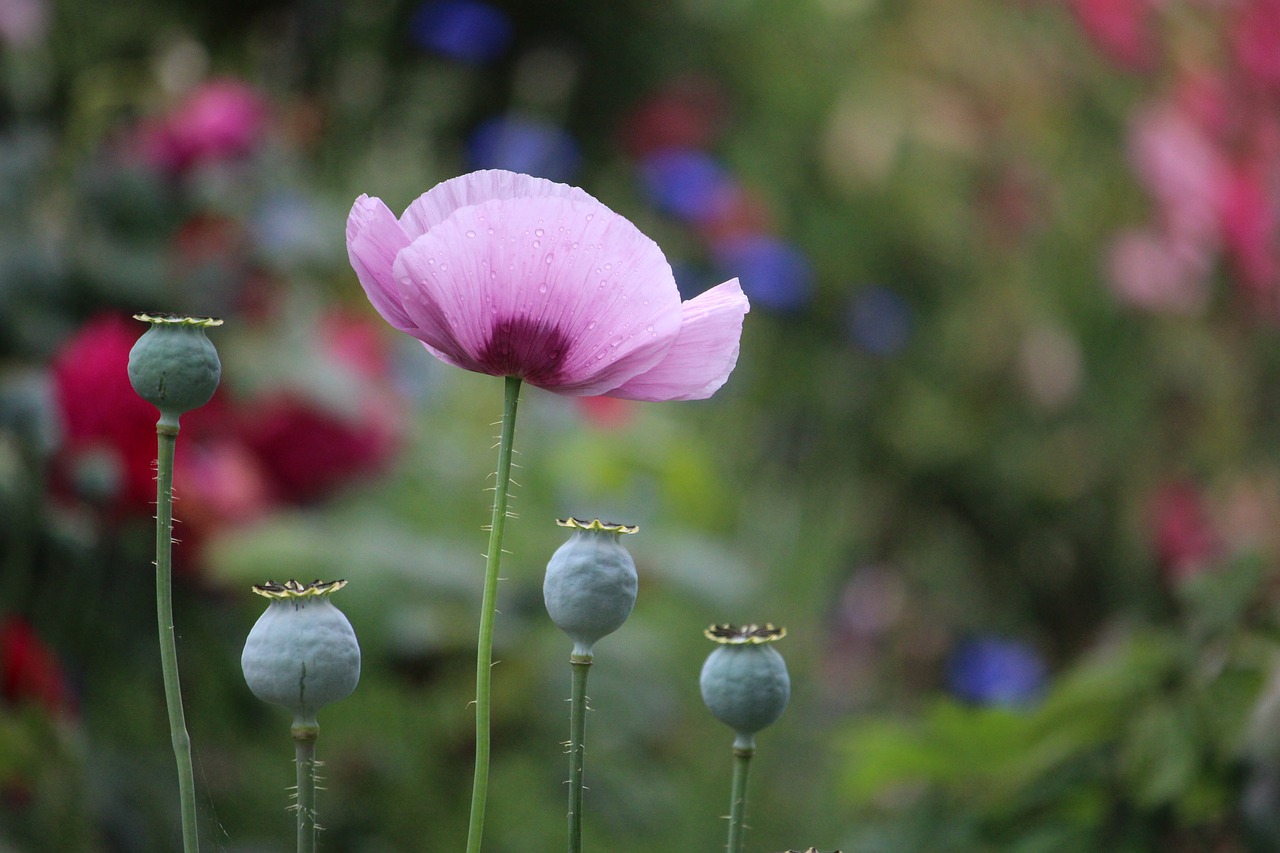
{"x":466,"y":30}
{"x":684,"y":183}
{"x":996,"y":671}
{"x":879,"y":320}
{"x":526,"y":145}
{"x":290,"y":231}
{"x":773,"y":273}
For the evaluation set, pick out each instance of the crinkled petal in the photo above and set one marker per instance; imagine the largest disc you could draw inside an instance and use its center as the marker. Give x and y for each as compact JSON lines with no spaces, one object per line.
{"x":374,"y":238}
{"x":705,"y":351}
{"x":562,"y":292}
{"x":444,"y":199}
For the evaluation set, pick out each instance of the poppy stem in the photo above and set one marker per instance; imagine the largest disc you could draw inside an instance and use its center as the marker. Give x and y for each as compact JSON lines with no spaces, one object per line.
{"x":484,"y":650}
{"x":304,"y":749}
{"x":577,"y":747}
{"x":744,"y":748}
{"x":167,"y":436}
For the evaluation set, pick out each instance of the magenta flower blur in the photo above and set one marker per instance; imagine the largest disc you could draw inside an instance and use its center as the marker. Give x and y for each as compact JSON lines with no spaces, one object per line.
{"x":510,"y":275}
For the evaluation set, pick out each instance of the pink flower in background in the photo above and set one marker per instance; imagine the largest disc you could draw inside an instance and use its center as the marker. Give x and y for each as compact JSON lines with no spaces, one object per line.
{"x":223,"y":485}
{"x":509,"y":275}
{"x":1148,"y":271}
{"x":1182,"y":169}
{"x":606,"y":412}
{"x":220,"y":120}
{"x":1249,"y":232}
{"x":23,"y":22}
{"x":1120,"y":29}
{"x":1255,"y":42}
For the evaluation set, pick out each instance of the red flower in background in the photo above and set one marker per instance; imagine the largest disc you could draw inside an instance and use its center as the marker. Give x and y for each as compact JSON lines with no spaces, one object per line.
{"x":29,"y":672}
{"x":108,"y":430}
{"x":687,"y":113}
{"x":309,"y":444}
{"x":103,"y":418}
{"x":235,"y":459}
{"x":1183,"y":535}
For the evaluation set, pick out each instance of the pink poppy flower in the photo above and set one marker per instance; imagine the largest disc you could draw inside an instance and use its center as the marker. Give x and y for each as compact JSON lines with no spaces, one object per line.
{"x":1120,"y":29}
{"x":509,"y":275}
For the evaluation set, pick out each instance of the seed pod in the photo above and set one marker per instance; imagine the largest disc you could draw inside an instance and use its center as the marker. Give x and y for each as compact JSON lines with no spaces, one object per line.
{"x":173,"y":366}
{"x":744,"y":681}
{"x":302,"y":652}
{"x":590,"y":587}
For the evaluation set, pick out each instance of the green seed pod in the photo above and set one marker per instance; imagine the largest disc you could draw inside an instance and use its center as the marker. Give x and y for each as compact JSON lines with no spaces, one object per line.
{"x":302,"y":652}
{"x":173,"y":366}
{"x":744,"y":681}
{"x":590,"y":587}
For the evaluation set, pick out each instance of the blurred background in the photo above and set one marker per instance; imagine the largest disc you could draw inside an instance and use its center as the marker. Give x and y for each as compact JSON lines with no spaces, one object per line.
{"x":1000,"y":451}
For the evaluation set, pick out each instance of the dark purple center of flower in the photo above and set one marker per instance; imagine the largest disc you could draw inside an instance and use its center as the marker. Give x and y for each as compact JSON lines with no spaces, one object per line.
{"x":525,"y":348}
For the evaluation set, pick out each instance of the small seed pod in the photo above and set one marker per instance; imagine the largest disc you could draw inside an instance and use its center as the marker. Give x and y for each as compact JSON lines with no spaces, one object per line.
{"x":174,"y":366}
{"x":590,"y":587}
{"x":744,"y":681}
{"x":302,"y":652}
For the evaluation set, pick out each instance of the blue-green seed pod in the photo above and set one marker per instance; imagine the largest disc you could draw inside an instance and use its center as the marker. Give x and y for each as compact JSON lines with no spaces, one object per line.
{"x":174,"y":366}
{"x":590,"y":587}
{"x":744,"y":681}
{"x":302,"y":652}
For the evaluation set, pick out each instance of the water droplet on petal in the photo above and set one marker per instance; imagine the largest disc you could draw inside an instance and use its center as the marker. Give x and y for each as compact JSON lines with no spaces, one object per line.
{"x":471,"y":233}
{"x":537,"y":244}
{"x":592,"y":325}
{"x":542,"y":288}
{"x":538,"y":232}
{"x":549,"y":258}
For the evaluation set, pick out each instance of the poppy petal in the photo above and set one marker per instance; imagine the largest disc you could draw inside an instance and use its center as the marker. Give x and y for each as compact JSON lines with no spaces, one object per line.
{"x":374,"y":238}
{"x":560,"y":291}
{"x":704,"y":353}
{"x":444,"y":199}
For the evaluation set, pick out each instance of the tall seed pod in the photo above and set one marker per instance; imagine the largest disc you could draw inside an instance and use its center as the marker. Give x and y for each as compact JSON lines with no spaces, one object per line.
{"x":589,"y":590}
{"x":745,"y":685}
{"x":174,"y":367}
{"x":302,"y":654}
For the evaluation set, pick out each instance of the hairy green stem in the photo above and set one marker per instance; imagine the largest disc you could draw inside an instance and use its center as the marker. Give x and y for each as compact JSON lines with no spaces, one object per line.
{"x":577,"y":747}
{"x":167,"y":434}
{"x":744,"y":748}
{"x":484,"y":649}
{"x":304,"y":749}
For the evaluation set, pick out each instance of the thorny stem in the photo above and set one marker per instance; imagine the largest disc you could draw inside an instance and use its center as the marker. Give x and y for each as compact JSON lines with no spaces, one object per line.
{"x":167,"y":435}
{"x":304,"y":749}
{"x":484,"y":649}
{"x":577,"y":747}
{"x":744,"y":748}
